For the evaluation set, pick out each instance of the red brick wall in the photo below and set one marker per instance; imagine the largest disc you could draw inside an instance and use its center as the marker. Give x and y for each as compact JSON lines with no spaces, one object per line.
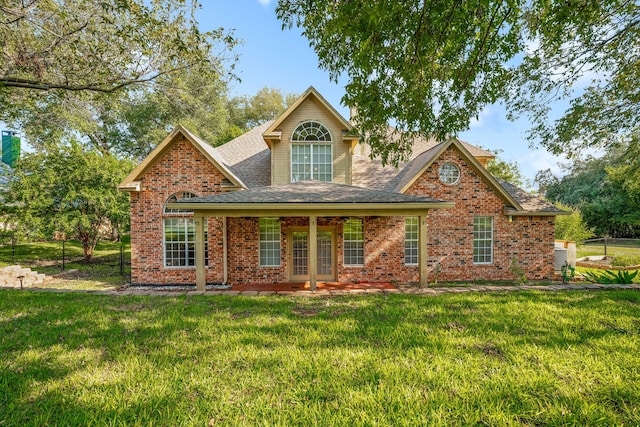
{"x":528,"y":240}
{"x":182,"y":169}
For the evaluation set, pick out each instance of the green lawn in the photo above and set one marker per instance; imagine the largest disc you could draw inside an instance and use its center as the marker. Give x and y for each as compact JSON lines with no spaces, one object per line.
{"x":519,"y":358}
{"x":630,"y":255}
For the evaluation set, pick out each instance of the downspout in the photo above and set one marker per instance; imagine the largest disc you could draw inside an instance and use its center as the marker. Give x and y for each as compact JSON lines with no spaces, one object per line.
{"x":225,"y":273}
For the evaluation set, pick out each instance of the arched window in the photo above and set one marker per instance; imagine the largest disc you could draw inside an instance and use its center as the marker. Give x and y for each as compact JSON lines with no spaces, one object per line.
{"x":174,"y":198}
{"x":311,"y":132}
{"x":180,"y":235}
{"x":311,"y":153}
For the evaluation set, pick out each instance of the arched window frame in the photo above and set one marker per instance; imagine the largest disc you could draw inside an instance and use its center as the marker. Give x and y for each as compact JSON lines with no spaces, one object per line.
{"x":178,"y":234}
{"x":311,"y":131}
{"x":311,"y":152}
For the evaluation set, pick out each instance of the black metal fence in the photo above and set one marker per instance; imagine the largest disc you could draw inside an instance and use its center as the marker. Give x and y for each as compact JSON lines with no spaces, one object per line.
{"x":611,"y":242}
{"x":61,"y":253}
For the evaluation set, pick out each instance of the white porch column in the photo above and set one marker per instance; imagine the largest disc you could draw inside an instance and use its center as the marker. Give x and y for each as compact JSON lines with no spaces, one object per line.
{"x":201,"y":279}
{"x":423,"y":253}
{"x":313,"y":251}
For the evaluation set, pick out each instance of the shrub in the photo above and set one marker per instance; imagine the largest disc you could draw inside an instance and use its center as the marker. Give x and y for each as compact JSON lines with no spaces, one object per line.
{"x":625,"y":260}
{"x":609,"y":277}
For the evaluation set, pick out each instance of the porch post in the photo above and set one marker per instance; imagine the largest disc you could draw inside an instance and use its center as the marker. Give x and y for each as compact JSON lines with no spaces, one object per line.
{"x":313,"y":251}
{"x":225,"y":261}
{"x":201,"y":279}
{"x":422,"y":249}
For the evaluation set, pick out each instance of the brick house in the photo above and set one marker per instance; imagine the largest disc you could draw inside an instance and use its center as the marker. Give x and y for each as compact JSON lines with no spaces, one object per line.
{"x":299,"y":199}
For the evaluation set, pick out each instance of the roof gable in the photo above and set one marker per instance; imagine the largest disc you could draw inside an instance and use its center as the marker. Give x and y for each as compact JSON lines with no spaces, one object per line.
{"x":131,"y":182}
{"x":309,"y":94}
{"x":414,"y":169}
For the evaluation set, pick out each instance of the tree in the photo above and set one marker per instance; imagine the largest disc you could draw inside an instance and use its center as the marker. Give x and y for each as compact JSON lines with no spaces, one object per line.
{"x":86,"y":45}
{"x":247,"y":112}
{"x":572,"y":227}
{"x":119,"y":73}
{"x":127,"y":123}
{"x":429,"y":67}
{"x":71,"y":190}
{"x":508,"y":171}
{"x":607,"y":196}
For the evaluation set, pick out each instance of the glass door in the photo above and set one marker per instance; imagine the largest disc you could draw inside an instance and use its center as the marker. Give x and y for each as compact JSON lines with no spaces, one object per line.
{"x":299,"y":255}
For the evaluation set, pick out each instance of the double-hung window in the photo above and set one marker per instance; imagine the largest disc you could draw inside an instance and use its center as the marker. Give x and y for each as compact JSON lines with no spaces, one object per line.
{"x":311,"y":153}
{"x":269,"y":242}
{"x":353,"y":247}
{"x":482,"y":240}
{"x":411,"y":240}
{"x":179,"y":235}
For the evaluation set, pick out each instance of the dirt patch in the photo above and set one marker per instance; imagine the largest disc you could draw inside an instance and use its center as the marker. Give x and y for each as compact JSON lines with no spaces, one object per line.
{"x":491,"y":350}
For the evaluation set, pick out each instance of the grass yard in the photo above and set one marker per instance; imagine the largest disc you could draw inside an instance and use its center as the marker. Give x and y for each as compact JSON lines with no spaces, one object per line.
{"x":624,"y":256}
{"x":629,"y":255}
{"x":518,"y":358}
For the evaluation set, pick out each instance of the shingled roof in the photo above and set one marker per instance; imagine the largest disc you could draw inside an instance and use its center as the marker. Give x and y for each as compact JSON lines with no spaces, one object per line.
{"x":370,"y":172}
{"x":529,"y":202}
{"x":249,"y":157}
{"x":311,"y":198}
{"x":246,"y":163}
{"x":314,"y":192}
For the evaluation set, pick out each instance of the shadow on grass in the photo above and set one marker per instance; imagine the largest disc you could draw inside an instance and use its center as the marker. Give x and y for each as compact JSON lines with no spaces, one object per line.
{"x":82,"y":359}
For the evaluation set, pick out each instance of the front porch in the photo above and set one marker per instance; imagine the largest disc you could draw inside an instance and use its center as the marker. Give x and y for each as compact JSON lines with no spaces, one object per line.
{"x":308,"y":249}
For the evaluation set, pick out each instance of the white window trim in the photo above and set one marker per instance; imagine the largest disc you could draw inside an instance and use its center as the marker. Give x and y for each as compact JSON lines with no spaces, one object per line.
{"x":448,"y":162}
{"x":311,"y":145}
{"x":416,"y":240}
{"x":279,"y":241}
{"x":344,"y":240}
{"x":187,"y":215}
{"x":328,"y":131}
{"x":490,"y":239}
{"x":186,"y":242}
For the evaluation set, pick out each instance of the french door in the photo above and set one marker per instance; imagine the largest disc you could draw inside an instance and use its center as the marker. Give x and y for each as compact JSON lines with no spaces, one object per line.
{"x":299,"y":255}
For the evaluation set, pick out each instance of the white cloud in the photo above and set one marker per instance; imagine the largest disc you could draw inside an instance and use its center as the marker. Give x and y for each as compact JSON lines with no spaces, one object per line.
{"x":538,"y":160}
{"x":264,"y":2}
{"x":479,"y":121}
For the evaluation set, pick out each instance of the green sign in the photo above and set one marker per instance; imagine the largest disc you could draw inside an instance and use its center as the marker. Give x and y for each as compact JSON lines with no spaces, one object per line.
{"x":10,"y":147}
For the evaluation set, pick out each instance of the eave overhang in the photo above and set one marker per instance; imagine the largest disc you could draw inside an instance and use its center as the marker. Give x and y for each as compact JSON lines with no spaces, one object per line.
{"x":274,"y":134}
{"x":310,"y":209}
{"x":132,"y":187}
{"x":512,"y":212}
{"x":474,"y":163}
{"x":178,"y":134}
{"x":310,"y":198}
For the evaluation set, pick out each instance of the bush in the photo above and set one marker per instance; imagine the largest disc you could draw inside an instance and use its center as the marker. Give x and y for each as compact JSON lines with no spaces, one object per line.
{"x":571,"y":227}
{"x":625,"y":260}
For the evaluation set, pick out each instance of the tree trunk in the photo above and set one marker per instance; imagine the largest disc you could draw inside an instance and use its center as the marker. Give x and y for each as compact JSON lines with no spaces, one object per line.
{"x":88,"y":239}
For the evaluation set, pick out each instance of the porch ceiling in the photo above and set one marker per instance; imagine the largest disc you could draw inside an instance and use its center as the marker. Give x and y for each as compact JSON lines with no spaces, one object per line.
{"x":308,"y":198}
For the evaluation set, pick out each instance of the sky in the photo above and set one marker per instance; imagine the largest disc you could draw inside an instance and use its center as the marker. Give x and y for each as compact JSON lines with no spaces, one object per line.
{"x":270,"y":56}
{"x":282,"y":59}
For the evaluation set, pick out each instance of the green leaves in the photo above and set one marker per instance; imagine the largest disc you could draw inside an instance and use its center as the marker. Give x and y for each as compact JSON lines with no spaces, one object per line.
{"x":608,"y":277}
{"x":71,"y":190}
{"x":605,"y":191}
{"x":429,"y":67}
{"x":101,"y":46}
{"x":572,"y":227}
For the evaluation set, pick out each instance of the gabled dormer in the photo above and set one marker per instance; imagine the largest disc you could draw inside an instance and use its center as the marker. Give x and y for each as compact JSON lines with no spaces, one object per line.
{"x":310,"y":140}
